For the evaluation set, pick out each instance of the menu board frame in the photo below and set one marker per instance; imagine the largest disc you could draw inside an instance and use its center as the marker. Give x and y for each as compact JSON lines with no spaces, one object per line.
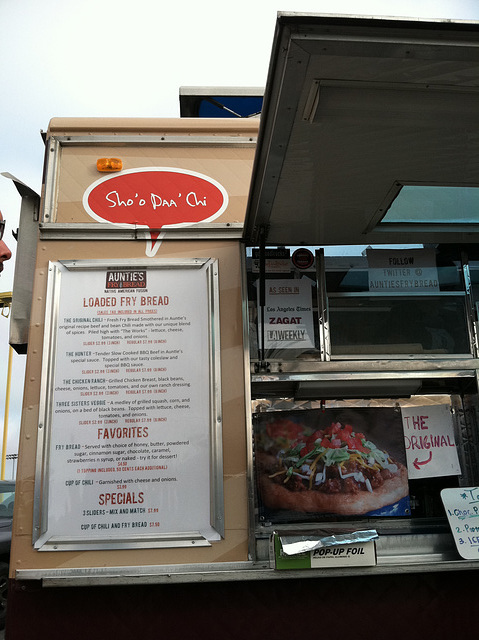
{"x":51,"y":471}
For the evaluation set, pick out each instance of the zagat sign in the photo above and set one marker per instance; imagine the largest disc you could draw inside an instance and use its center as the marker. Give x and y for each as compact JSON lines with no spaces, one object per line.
{"x":155,"y":198}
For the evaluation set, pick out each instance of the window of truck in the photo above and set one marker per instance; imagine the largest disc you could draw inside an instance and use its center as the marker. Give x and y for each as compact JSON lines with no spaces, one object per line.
{"x":371,"y":419}
{"x":368,"y":302}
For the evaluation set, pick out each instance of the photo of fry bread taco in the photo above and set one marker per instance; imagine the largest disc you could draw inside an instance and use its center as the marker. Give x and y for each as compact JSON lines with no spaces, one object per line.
{"x":335,"y":469}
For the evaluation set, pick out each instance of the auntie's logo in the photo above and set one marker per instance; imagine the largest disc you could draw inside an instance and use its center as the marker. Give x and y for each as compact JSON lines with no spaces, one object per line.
{"x":155,"y":198}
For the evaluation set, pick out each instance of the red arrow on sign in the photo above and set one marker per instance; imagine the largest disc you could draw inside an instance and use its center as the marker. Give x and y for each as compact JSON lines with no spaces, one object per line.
{"x":417,"y":463}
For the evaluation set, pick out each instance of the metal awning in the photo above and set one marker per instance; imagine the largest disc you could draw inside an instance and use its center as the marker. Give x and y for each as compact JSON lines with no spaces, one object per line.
{"x":355,"y":109}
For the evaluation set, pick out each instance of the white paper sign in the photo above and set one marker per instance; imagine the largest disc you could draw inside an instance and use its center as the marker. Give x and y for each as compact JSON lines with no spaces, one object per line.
{"x":288,"y":314}
{"x":429,"y":438}
{"x":130,"y":411}
{"x":402,"y":270}
{"x":462,"y":510}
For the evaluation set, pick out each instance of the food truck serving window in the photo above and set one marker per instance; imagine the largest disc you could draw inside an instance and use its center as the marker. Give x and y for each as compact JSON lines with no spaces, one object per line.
{"x":364,"y":401}
{"x":345,"y":430}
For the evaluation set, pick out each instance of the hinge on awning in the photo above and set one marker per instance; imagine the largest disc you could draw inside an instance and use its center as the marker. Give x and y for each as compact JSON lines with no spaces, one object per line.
{"x":262,"y":365}
{"x":26,"y":237}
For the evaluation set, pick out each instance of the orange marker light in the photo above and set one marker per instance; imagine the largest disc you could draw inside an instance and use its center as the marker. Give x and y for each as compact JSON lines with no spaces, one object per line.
{"x":109,"y":164}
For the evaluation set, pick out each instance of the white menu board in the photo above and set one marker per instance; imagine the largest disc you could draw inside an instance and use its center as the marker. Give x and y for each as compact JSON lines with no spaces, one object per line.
{"x":131,"y":406}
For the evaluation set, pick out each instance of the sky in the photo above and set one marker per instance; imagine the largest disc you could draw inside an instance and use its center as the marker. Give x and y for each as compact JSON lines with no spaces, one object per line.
{"x":90,"y":58}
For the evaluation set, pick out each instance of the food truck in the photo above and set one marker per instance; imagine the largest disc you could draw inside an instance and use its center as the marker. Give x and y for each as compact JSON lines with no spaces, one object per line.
{"x":251,"y":399}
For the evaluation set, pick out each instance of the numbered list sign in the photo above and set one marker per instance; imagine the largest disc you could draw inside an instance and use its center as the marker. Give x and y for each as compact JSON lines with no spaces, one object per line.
{"x":462,"y":510}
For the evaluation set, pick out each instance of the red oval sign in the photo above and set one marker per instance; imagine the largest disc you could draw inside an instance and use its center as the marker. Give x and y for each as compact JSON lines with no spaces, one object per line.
{"x":155,"y":197}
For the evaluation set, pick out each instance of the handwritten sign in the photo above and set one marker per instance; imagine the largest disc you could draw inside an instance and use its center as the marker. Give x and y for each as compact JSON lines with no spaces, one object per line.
{"x":430,"y":445}
{"x":462,"y":510}
{"x":289,"y":314}
{"x":402,"y":270}
{"x":155,"y":198}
